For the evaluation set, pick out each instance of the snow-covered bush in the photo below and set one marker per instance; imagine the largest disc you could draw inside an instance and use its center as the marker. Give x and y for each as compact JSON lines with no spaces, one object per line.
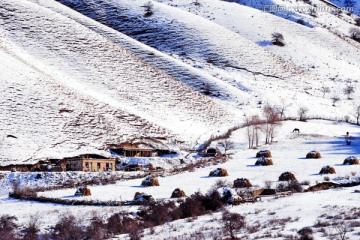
{"x":278,"y":39}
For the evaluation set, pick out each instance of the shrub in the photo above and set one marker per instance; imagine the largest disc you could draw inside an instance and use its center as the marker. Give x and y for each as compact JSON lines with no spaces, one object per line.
{"x":277,"y":39}
{"x":302,"y":112}
{"x":31,"y":229}
{"x":355,"y":34}
{"x":357,"y":22}
{"x":157,"y":213}
{"x":306,"y":233}
{"x":68,"y":228}
{"x":232,"y":222}
{"x":8,"y":227}
{"x":148,"y":9}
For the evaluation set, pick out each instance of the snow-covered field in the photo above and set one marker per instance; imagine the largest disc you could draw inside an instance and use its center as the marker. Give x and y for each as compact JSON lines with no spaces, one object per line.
{"x":288,"y":155}
{"x":304,"y":209}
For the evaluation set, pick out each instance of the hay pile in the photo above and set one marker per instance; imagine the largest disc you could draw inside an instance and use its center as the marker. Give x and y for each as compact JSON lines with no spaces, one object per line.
{"x":351,"y":160}
{"x":83,"y":192}
{"x":141,"y":198}
{"x":264,"y":162}
{"x":264,"y":153}
{"x":327,"y":170}
{"x":228,"y":196}
{"x":287,"y":176}
{"x":313,"y":154}
{"x":150,"y":182}
{"x":321,"y":186}
{"x":219,"y":172}
{"x":178,"y":193}
{"x":242,"y":183}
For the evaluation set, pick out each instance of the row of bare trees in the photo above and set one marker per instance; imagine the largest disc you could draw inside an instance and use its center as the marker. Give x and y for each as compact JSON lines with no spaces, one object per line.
{"x":255,"y":125}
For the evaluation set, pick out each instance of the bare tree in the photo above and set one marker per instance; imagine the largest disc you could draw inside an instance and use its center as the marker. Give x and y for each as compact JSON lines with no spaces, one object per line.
{"x":281,"y":109}
{"x":302,"y":112}
{"x":348,"y":91}
{"x":253,"y":127}
{"x":357,"y":114}
{"x":8,"y":227}
{"x":148,"y":9}
{"x":324,"y":90}
{"x":196,"y":2}
{"x":226,"y":144}
{"x":335,"y":98}
{"x":277,"y":39}
{"x":357,"y":22}
{"x":355,"y":34}
{"x":232,"y":222}
{"x":272,"y":120}
{"x":31,"y":230}
{"x":341,"y":227}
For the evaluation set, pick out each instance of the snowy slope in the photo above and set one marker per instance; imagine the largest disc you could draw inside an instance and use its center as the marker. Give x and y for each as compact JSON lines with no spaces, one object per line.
{"x":229,"y":44}
{"x":74,"y":90}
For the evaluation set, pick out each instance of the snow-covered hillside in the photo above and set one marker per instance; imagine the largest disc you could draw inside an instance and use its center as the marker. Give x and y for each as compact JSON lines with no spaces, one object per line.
{"x":78,"y":80}
{"x":68,"y":89}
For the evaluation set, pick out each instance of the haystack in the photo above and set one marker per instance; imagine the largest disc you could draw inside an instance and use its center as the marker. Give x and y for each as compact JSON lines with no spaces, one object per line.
{"x":351,"y":160}
{"x":141,"y":198}
{"x":83,"y":191}
{"x":219,"y":172}
{"x":313,"y":154}
{"x":264,"y":153}
{"x":242,"y":183}
{"x":178,"y":193}
{"x":228,"y":196}
{"x":287,"y":176}
{"x":150,"y":182}
{"x":321,"y":186}
{"x":327,"y":170}
{"x":264,"y":162}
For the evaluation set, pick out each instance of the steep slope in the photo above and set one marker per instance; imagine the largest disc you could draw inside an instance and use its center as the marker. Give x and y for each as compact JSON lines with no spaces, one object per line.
{"x":67,"y":88}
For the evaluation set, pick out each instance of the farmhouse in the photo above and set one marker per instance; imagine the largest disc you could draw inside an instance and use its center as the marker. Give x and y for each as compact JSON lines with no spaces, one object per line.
{"x":139,"y":149}
{"x":90,"y":163}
